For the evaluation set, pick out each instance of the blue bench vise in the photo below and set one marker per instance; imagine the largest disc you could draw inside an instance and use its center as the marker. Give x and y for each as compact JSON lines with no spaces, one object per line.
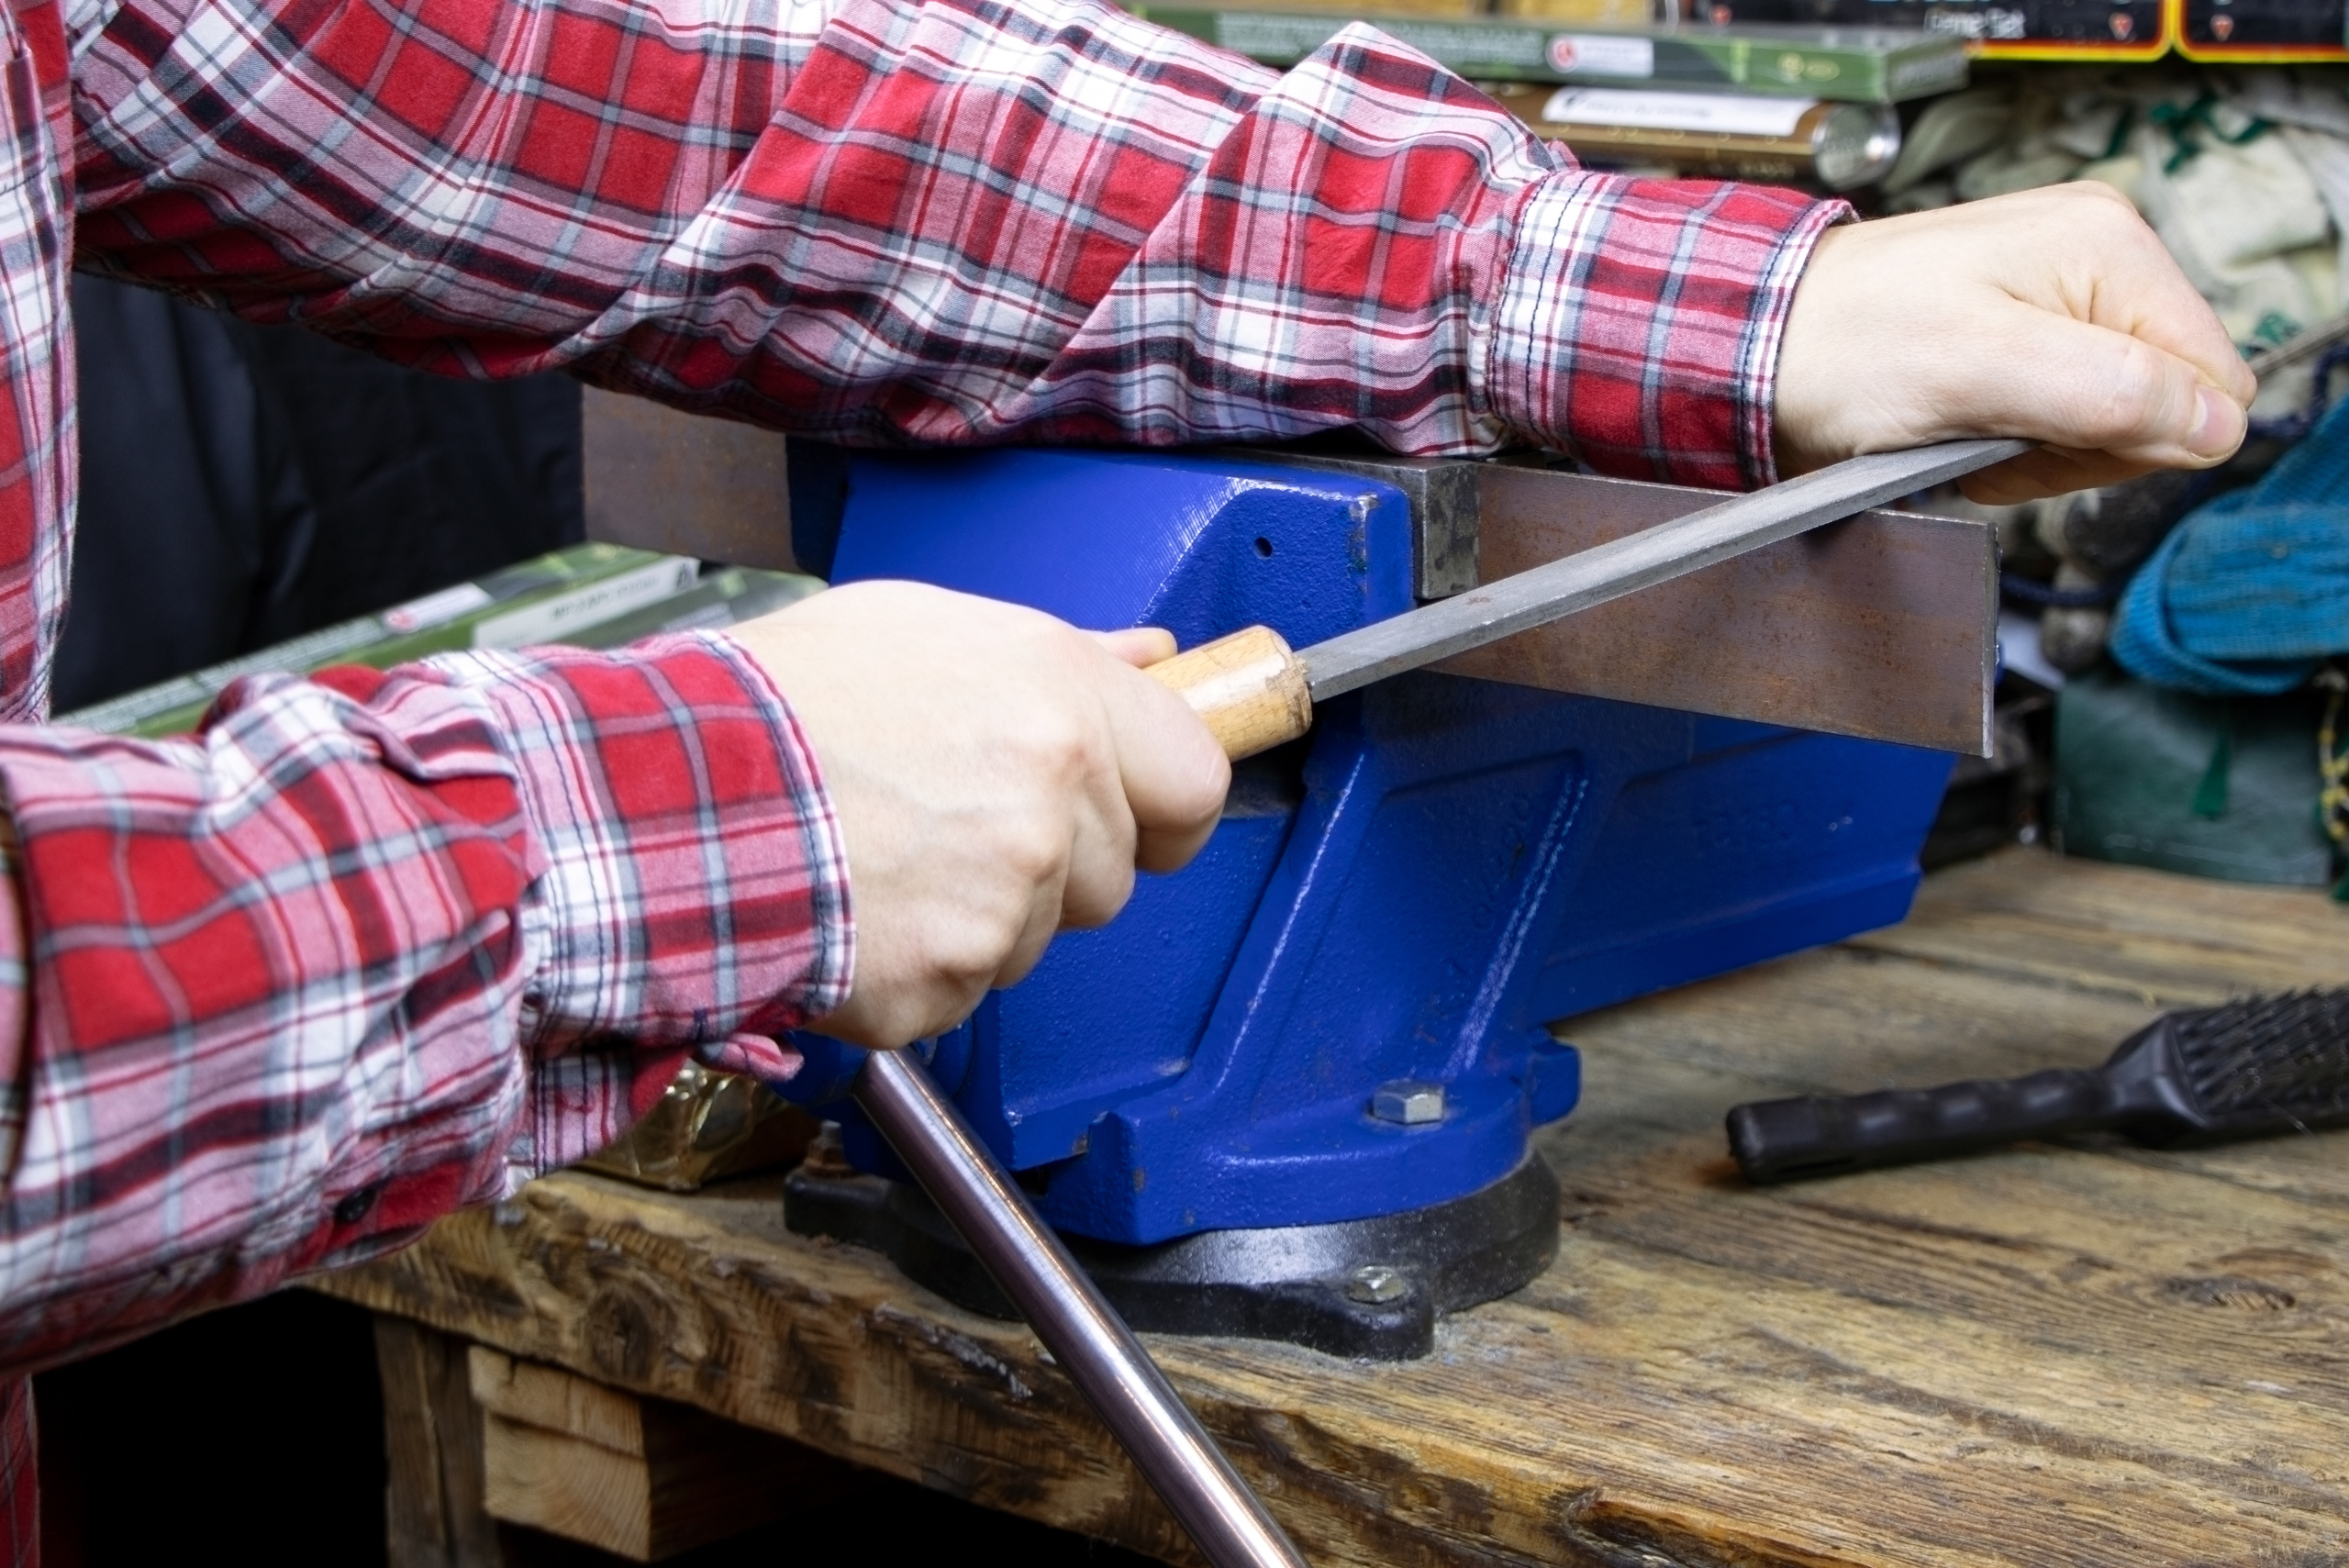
{"x":1291,"y":1092}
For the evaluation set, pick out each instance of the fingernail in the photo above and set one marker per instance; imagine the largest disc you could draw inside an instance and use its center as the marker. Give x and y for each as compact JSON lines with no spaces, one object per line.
{"x":2219,"y":427}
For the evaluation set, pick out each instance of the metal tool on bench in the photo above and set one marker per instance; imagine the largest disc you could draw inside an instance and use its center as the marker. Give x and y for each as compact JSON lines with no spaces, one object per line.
{"x":2254,"y":1067}
{"x":1257,"y":694}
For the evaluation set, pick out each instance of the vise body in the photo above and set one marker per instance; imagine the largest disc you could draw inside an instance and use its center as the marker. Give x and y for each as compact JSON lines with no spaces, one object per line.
{"x":1291,"y":1091}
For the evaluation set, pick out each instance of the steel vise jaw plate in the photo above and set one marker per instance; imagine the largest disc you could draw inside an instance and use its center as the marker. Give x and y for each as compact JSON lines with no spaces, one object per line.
{"x":1445,"y":498}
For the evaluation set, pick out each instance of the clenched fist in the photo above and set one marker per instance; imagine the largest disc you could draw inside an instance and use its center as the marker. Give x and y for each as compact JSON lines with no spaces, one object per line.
{"x":2054,"y":314}
{"x":998,"y":776}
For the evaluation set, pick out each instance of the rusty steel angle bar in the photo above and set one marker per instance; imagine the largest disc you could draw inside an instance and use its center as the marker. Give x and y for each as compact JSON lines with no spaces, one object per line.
{"x":1884,"y":626}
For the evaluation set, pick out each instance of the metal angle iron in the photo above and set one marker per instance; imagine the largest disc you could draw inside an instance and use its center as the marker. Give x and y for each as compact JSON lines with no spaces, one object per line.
{"x":1592,"y":577}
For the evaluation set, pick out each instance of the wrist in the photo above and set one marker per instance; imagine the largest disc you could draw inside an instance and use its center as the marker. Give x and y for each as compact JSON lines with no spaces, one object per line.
{"x":690,"y":884}
{"x":1640,"y":322}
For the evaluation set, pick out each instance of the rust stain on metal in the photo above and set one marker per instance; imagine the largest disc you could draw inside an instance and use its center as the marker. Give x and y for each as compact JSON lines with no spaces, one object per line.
{"x":1883,"y":627}
{"x":682,"y":483}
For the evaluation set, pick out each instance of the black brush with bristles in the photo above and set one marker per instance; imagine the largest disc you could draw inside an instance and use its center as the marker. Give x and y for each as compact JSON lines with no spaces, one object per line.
{"x":2244,"y":1070}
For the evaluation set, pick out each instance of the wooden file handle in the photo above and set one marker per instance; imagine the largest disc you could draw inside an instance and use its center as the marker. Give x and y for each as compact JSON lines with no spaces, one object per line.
{"x":1248,"y":687}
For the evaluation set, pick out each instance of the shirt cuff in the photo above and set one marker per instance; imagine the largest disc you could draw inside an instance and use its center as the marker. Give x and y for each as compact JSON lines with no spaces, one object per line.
{"x":694,"y":890}
{"x":1639,"y":322}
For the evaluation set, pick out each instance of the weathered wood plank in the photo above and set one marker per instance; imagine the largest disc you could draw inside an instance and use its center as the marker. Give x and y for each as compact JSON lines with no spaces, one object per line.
{"x":2091,"y":1355}
{"x":705,"y":1299}
{"x":566,"y":1485}
{"x":434,"y":1516}
{"x":1660,"y":1368}
{"x":643,"y":1479}
{"x":2165,"y":940}
{"x":555,"y":1401}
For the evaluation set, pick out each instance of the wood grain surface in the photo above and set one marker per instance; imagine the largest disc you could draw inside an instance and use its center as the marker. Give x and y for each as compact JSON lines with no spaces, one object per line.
{"x":1248,"y":687}
{"x":643,"y":1479}
{"x":432,"y":1453}
{"x":2088,"y":1355}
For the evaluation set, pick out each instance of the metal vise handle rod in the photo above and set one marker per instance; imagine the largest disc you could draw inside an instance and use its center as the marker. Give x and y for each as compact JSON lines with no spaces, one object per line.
{"x":1083,"y":1333}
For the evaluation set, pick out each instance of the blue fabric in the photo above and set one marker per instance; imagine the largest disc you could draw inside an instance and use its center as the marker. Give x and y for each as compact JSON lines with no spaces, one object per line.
{"x":2250,"y":592}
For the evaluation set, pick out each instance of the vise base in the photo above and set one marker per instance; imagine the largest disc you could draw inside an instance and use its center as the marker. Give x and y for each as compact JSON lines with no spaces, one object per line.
{"x":1366,"y":1289}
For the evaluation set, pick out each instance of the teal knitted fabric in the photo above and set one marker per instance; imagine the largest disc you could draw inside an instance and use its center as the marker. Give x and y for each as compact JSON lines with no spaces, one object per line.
{"x":2249,"y":592}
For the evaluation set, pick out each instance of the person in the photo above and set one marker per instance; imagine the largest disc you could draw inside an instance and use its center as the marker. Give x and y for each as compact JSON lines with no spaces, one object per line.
{"x":374,"y":945}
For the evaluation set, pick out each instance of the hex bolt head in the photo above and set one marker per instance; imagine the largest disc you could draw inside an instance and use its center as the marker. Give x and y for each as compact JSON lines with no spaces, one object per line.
{"x":1406,"y":1101}
{"x":1376,"y":1284}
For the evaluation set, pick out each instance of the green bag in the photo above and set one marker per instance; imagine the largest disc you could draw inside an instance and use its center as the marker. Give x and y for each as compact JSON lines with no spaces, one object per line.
{"x":2222,"y":787}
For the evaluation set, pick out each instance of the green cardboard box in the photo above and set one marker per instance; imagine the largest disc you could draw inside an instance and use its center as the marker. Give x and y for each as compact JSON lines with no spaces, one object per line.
{"x":591,"y":596}
{"x":1858,"y":64}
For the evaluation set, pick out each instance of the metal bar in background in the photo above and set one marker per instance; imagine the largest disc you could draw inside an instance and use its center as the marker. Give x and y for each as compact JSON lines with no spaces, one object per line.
{"x":682,"y":483}
{"x":1883,"y":627}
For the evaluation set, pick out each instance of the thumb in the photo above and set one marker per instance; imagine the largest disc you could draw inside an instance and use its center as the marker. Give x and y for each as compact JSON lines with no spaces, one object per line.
{"x":2098,"y":389}
{"x":1140,"y":646}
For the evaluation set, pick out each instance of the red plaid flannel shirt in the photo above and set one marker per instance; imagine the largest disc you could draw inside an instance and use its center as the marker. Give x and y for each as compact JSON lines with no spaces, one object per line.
{"x":373,"y":946}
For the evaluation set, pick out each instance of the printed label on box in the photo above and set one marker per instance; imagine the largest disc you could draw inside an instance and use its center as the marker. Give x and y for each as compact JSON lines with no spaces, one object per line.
{"x":1601,"y":54}
{"x":1722,"y":114}
{"x":2017,"y":30}
{"x":436,"y":609}
{"x":549,"y":620}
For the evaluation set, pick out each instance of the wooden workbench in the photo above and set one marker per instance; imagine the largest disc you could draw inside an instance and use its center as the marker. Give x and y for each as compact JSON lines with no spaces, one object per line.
{"x":2084,"y":1355}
